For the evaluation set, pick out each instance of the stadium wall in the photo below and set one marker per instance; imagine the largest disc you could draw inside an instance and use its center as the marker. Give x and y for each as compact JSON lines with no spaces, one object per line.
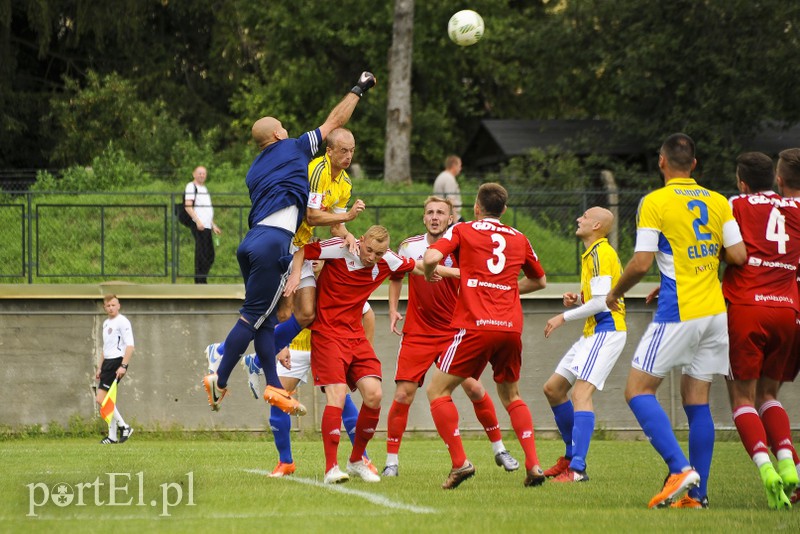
{"x":50,"y":335}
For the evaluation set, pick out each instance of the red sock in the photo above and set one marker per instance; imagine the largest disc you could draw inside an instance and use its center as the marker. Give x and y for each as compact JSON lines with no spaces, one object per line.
{"x":396,"y":426}
{"x":522,"y":422}
{"x":751,"y":430}
{"x":776,"y":424}
{"x":365,"y":429}
{"x":331,"y":424}
{"x":484,"y":411}
{"x":445,"y":417}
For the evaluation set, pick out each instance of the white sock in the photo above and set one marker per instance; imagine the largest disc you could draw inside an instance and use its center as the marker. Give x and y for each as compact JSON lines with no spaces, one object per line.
{"x":391,"y":459}
{"x":761,"y":458}
{"x":782,"y":454}
{"x":112,"y":427}
{"x":498,"y":447}
{"x":118,"y":417}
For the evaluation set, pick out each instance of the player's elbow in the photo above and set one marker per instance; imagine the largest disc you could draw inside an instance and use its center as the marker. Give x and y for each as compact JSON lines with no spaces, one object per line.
{"x":736,"y":255}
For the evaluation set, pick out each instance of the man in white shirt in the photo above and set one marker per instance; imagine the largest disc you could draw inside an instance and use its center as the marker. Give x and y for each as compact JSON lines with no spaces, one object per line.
{"x":446,"y":185}
{"x":198,"y":206}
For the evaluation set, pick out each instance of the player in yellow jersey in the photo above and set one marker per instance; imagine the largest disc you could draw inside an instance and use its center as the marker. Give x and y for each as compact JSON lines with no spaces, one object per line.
{"x":687,"y":229}
{"x":590,"y":360}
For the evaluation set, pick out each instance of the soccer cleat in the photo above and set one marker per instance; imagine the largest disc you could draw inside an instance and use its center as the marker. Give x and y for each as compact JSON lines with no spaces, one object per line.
{"x":214,"y":392}
{"x":335,"y":476}
{"x":690,"y":502}
{"x":788,"y":472}
{"x":125,"y":433}
{"x":107,"y":441}
{"x":674,"y":485}
{"x":773,"y":484}
{"x":459,"y":475}
{"x":281,"y":399}
{"x":213,"y":358}
{"x":253,"y":371}
{"x":282,"y":470}
{"x":506,"y":461}
{"x":369,"y":464}
{"x":390,"y":471}
{"x":571,"y":475}
{"x":795,"y":498}
{"x":534,"y":477}
{"x":361,"y":469}
{"x":561,"y":465}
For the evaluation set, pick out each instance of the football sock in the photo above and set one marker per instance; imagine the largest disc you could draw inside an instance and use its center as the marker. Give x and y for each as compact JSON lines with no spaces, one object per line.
{"x":657,"y":428}
{"x":118,"y":417}
{"x":522,"y":423}
{"x":281,"y":425}
{"x":350,"y":417}
{"x":264,"y":343}
{"x":701,"y":445}
{"x":777,"y":427}
{"x":365,"y":430}
{"x":396,"y":426}
{"x":286,"y":331}
{"x":564,"y":415}
{"x":112,"y":426}
{"x":236,"y":343}
{"x":445,"y":417}
{"x":751,"y":432}
{"x":330,"y":427}
{"x":582,"y":435}
{"x":484,"y":411}
{"x":221,"y":348}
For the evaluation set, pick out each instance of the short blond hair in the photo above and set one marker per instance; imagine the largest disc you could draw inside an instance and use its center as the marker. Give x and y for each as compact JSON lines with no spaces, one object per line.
{"x":434,"y":198}
{"x":378,"y":233}
{"x":108,"y":298}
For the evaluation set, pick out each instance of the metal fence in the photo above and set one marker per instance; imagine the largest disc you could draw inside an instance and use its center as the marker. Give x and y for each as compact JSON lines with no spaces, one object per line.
{"x":90,"y":237}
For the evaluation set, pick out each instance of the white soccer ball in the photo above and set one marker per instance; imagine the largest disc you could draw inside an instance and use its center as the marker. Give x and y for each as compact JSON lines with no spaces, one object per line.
{"x":465,"y":28}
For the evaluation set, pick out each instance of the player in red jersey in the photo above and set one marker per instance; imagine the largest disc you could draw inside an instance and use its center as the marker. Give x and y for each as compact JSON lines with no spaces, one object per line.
{"x":762,"y":302}
{"x":488,"y":316}
{"x":341,"y":355}
{"x":427,"y":334}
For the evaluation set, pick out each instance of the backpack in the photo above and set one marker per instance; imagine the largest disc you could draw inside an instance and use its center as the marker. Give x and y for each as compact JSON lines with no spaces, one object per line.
{"x":181,"y":213}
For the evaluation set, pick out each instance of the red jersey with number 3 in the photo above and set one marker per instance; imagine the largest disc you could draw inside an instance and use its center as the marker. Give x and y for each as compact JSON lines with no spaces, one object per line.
{"x":490,"y":256}
{"x":771,"y":231}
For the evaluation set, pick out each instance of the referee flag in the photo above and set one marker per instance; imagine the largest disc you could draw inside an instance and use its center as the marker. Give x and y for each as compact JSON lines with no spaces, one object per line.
{"x":108,"y":404}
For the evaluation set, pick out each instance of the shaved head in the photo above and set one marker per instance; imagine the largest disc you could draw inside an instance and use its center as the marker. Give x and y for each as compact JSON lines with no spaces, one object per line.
{"x":603,"y":216}
{"x":267,"y":130}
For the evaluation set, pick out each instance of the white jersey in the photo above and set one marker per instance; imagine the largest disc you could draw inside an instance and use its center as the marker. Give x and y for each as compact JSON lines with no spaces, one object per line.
{"x":202,"y":203}
{"x":117,"y":336}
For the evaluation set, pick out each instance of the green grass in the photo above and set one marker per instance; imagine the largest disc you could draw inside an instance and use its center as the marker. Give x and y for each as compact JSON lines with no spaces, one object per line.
{"x":229,"y":493}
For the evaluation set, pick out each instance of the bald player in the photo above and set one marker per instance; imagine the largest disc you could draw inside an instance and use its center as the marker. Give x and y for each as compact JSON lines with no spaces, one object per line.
{"x":587,"y":364}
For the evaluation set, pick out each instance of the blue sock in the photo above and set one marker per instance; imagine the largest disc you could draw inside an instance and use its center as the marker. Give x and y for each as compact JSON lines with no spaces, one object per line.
{"x":221,"y":348}
{"x":350,"y":417}
{"x":656,"y":426}
{"x":264,"y":343}
{"x":701,"y":444}
{"x":581,"y":437}
{"x":281,"y":425}
{"x":256,"y":361}
{"x":565,"y":420}
{"x":286,"y":331}
{"x":236,"y":343}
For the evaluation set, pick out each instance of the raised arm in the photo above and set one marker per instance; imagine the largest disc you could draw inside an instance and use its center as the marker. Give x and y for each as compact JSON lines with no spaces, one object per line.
{"x":344,"y":109}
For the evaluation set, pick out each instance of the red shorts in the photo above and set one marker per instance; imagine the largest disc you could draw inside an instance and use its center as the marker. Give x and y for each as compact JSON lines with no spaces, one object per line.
{"x":791,"y":371}
{"x":417,"y":353}
{"x":761,"y":340}
{"x":470,"y":350}
{"x":337,"y":360}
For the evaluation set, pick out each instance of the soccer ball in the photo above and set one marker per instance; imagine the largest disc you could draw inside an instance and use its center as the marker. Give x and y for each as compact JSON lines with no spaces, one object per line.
{"x":465,"y":28}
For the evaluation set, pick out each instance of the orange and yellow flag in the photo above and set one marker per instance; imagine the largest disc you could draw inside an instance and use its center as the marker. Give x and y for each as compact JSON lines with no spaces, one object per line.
{"x":108,"y":404}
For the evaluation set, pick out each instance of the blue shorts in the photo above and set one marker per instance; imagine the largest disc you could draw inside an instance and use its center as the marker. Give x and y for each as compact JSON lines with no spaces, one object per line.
{"x":262,"y":260}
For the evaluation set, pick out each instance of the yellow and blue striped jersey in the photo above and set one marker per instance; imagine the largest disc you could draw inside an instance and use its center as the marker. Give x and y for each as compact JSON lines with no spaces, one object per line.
{"x":683,"y":224}
{"x":600,"y":261}
{"x":302,"y":341}
{"x":326,"y":193}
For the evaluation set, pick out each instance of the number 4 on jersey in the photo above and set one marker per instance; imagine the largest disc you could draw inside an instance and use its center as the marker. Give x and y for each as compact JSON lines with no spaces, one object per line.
{"x":776,"y":230}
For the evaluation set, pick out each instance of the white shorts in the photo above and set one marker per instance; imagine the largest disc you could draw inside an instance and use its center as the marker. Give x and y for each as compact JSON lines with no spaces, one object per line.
{"x":307,"y":278}
{"x":699,"y":347}
{"x":301,"y":363}
{"x":592,"y":358}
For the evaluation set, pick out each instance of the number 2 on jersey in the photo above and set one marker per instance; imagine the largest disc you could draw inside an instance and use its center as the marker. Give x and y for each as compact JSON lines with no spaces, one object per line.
{"x":700,"y":220}
{"x":496,"y":267}
{"x":776,"y":230}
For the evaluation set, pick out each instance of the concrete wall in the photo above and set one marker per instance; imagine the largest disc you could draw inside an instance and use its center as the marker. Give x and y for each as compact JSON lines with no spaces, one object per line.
{"x":50,"y":335}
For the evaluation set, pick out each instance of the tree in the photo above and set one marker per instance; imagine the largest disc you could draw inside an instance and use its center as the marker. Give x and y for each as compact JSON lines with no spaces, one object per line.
{"x":397,"y":158}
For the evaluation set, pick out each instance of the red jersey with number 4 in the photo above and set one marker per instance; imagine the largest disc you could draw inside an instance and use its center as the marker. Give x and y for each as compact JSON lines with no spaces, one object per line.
{"x":771,"y":231}
{"x":490,"y":256}
{"x":430,"y":304}
{"x":345,"y":284}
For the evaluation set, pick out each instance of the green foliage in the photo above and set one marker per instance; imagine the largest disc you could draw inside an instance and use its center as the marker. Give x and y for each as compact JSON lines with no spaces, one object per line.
{"x":111,"y":170}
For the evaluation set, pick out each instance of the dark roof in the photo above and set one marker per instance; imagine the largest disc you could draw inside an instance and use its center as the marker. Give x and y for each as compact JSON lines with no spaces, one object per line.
{"x":773,"y":139}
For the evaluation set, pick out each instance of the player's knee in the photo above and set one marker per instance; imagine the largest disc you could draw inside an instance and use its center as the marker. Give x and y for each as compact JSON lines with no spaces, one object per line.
{"x":305,"y":317}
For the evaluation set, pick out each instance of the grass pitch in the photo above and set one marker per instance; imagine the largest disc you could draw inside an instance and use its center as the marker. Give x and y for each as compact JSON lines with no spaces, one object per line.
{"x":204,"y":484}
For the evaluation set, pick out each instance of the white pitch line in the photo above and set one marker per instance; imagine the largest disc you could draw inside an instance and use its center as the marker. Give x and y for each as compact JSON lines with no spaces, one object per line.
{"x":371,"y":497}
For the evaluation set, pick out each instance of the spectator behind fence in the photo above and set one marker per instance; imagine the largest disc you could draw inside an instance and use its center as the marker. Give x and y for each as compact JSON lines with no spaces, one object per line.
{"x":198,"y":206}
{"x":446,"y":185}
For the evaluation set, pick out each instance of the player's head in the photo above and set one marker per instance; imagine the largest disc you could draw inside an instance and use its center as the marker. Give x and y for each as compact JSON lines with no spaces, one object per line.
{"x":438,"y":215}
{"x":453,"y":164}
{"x":596,"y":222}
{"x":341,"y":147}
{"x":755,"y":170}
{"x":789,"y":169}
{"x":111,"y":305}
{"x":200,"y":174}
{"x":491,"y":201}
{"x":677,"y":153}
{"x":267,"y":130}
{"x":374,"y":244}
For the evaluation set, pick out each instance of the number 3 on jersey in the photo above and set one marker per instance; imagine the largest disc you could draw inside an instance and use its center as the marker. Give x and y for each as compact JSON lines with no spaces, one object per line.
{"x":776,"y":230}
{"x":496,"y":267}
